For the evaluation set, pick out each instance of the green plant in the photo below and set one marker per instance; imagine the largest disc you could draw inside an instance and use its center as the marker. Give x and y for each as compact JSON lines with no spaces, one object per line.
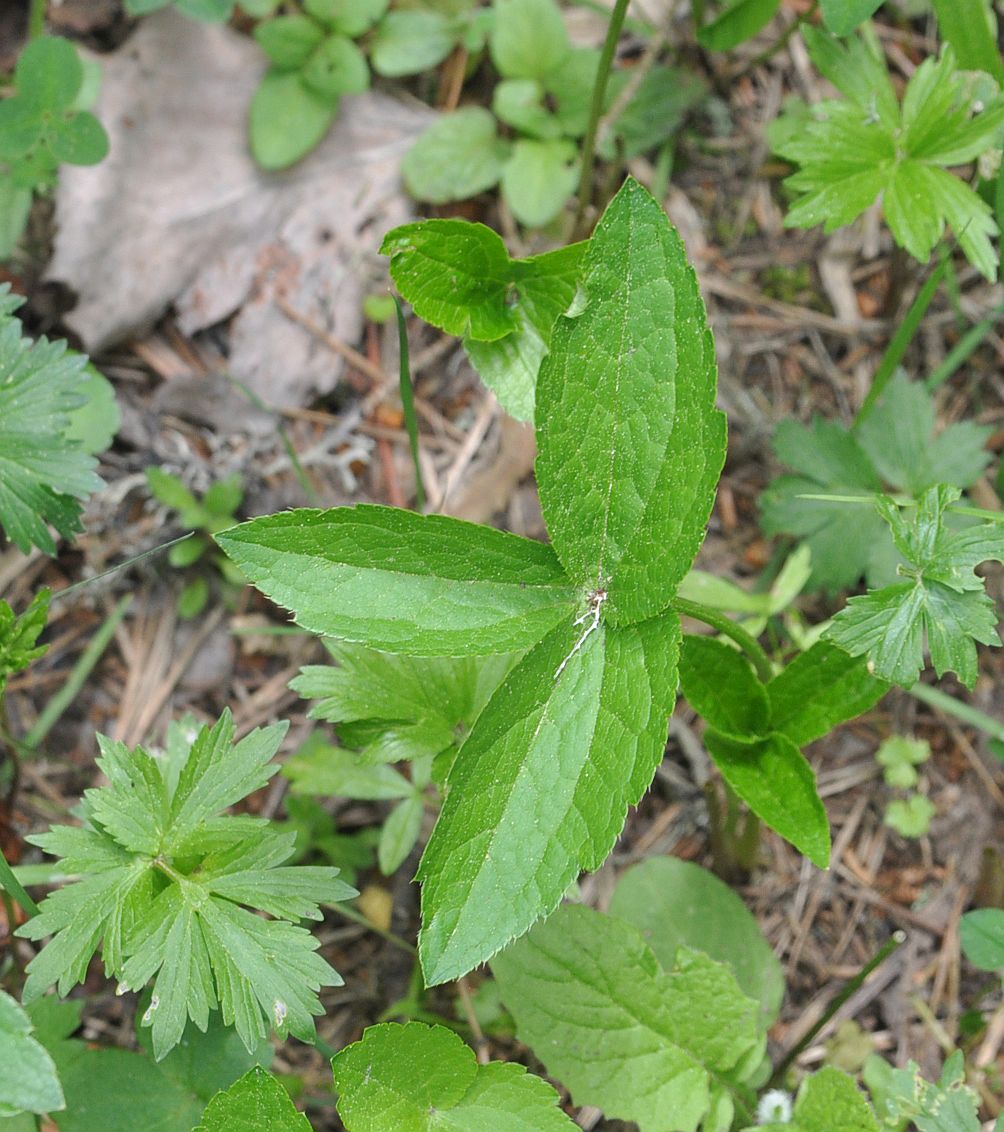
{"x":410,"y":40}
{"x":899,"y":758}
{"x":46,"y":470}
{"x":44,"y":124}
{"x":165,"y":887}
{"x":213,"y":513}
{"x":544,"y":96}
{"x":314,"y":61}
{"x":873,"y":145}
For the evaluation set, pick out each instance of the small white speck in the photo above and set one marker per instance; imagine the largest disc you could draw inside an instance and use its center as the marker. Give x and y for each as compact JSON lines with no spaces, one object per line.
{"x":148,"y":1016}
{"x":774,"y":1108}
{"x":279,"y":1012}
{"x":122,"y":989}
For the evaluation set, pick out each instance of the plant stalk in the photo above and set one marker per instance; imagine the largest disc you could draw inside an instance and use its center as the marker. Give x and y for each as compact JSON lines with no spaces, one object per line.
{"x":587,"y":168}
{"x":727,"y":627}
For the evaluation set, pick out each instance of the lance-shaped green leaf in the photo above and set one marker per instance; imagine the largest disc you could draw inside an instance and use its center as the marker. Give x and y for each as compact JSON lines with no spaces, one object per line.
{"x":720,"y":685}
{"x":29,"y":1082}
{"x":642,"y":1043}
{"x":541,"y":787}
{"x":425,"y":1079}
{"x":427,"y":585}
{"x":774,"y":779}
{"x":459,"y":277}
{"x":630,"y":443}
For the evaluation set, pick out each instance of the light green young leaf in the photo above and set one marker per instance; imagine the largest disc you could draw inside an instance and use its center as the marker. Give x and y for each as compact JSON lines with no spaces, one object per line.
{"x":399,"y":834}
{"x":538,"y":179}
{"x":637,"y":1041}
{"x":720,"y":685}
{"x":287,"y":119}
{"x":520,"y":103}
{"x":529,"y":40}
{"x":289,"y":40}
{"x":970,"y":26}
{"x":944,"y":602}
{"x":418,"y":1078}
{"x":408,"y":43}
{"x":320,"y":768}
{"x":257,"y":1100}
{"x":676,"y":903}
{"x":630,"y":443}
{"x":773,"y":778}
{"x":43,"y":474}
{"x":541,"y":787}
{"x":948,"y":1106}
{"x":428,"y":585}
{"x":459,"y":277}
{"x":96,"y":422}
{"x":336,"y":67}
{"x":910,"y":817}
{"x":28,"y":1082}
{"x":456,"y":158}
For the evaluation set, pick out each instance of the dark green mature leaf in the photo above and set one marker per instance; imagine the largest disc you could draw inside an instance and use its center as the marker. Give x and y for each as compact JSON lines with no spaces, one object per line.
{"x":895,"y":446}
{"x":457,"y":157}
{"x":642,"y":1043}
{"x":541,"y":787}
{"x":257,"y":1100}
{"x":425,"y":1079}
{"x":422,"y":584}
{"x":630,"y":443}
{"x":28,"y":1082}
{"x":163,"y":881}
{"x":773,"y":778}
{"x":944,"y":602}
{"x":676,"y":903}
{"x":459,"y":277}
{"x":870,"y":146}
{"x":820,"y":689}
{"x":18,"y":634}
{"x":43,"y":475}
{"x":720,"y":685}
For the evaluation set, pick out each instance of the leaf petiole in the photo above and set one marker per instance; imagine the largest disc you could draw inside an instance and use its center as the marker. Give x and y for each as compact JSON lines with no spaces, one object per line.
{"x":728,"y":628}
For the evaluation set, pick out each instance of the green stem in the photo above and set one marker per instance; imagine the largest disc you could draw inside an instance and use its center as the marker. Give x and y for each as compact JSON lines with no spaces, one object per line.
{"x":606,"y":63}
{"x":965,"y":713}
{"x":357,"y":917}
{"x":727,"y":627}
{"x":807,"y":1039}
{"x":11,"y":884}
{"x":900,"y":341}
{"x":36,"y":19}
{"x":81,"y":670}
{"x":408,"y":404}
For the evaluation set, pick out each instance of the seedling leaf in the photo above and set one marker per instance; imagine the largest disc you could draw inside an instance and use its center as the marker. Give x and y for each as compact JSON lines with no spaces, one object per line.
{"x":29,"y":1082}
{"x":425,"y":1079}
{"x":456,"y":157}
{"x":257,"y":1100}
{"x":720,"y":685}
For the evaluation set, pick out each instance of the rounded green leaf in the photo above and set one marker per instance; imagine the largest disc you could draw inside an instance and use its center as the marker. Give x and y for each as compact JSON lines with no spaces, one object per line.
{"x":456,"y":157}
{"x":530,"y":40}
{"x":20,"y":128}
{"x":408,"y":43}
{"x":15,"y":205}
{"x":287,"y":120}
{"x":742,"y":21}
{"x":350,"y":17}
{"x":96,"y":422}
{"x":289,"y":40}
{"x":335,"y":68}
{"x":49,"y":73}
{"x":80,"y":141}
{"x":538,"y":179}
{"x":208,"y":11}
{"x":983,"y":938}
{"x":520,"y":103}
{"x":673,"y":903}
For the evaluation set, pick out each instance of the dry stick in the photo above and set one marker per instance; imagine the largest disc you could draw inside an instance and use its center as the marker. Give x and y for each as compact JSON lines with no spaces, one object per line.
{"x":480,"y":1041}
{"x":351,"y":355}
{"x":486,"y":414}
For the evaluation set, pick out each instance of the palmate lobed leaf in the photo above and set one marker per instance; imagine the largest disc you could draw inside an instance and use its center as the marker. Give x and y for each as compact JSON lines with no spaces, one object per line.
{"x":944,"y":603}
{"x":43,"y":475}
{"x":163,"y":888}
{"x":853,"y":152}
